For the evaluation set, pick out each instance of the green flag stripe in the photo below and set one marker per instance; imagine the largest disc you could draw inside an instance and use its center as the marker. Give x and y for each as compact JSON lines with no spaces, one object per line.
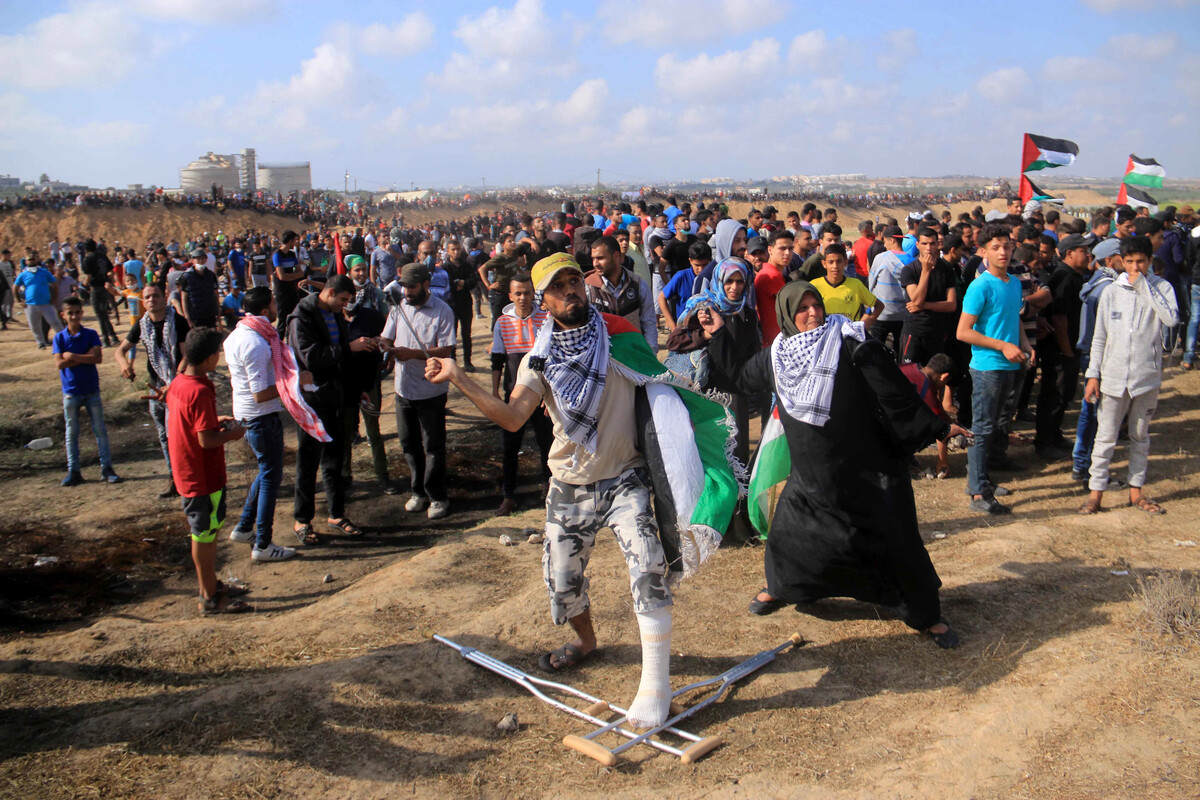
{"x":1142,"y":179}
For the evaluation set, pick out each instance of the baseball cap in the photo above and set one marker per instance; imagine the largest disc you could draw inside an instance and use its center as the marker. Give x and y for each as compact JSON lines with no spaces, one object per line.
{"x":1070,"y":242}
{"x":756,"y":243}
{"x":995,"y":215}
{"x":414,"y":274}
{"x":1107,"y":248}
{"x":199,"y":253}
{"x":547,"y":268}
{"x":769,"y":210}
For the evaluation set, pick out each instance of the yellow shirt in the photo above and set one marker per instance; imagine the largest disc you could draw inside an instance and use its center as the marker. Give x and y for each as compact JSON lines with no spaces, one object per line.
{"x":848,"y":297}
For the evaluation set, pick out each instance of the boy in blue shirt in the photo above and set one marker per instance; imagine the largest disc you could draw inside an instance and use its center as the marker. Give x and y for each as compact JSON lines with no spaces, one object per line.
{"x":231,"y":307}
{"x":77,"y":351}
{"x":991,"y":324}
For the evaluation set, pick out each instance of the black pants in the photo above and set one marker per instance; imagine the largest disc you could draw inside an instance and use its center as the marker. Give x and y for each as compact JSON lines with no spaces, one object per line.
{"x":421,"y":425}
{"x":880,"y":330}
{"x":1060,"y":380}
{"x":497,"y":300}
{"x":543,"y":432}
{"x":463,"y":318}
{"x":102,"y":307}
{"x":310,"y":454}
{"x":918,"y":347}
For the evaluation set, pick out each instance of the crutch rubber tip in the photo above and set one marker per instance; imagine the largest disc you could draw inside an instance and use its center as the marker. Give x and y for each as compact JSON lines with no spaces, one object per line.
{"x":596,"y":751}
{"x":598,"y":709}
{"x":797,"y":640}
{"x":677,"y":708}
{"x":697,"y":751}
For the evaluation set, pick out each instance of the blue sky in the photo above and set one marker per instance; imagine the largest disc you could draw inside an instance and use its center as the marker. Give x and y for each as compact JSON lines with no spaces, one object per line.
{"x":530,"y":91}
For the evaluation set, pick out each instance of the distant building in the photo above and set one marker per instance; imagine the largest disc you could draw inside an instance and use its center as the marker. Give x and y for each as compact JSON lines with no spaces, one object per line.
{"x":285,"y":178}
{"x":9,"y":182}
{"x":209,"y":169}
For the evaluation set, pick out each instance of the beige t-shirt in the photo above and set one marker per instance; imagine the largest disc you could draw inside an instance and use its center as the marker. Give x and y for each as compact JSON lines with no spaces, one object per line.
{"x":616,"y":443}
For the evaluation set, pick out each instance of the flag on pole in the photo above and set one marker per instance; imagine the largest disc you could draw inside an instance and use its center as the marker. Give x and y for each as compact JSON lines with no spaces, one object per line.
{"x":1042,"y":152}
{"x":1140,"y":173}
{"x":1031,"y":191}
{"x":1136,"y":197}
{"x":772,"y":464}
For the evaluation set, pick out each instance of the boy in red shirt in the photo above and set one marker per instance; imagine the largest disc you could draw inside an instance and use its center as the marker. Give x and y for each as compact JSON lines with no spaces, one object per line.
{"x":930,"y":383}
{"x":770,"y":279}
{"x":196,"y":437}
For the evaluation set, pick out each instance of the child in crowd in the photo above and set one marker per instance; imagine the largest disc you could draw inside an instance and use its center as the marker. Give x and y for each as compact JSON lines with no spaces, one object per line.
{"x":131,"y":297}
{"x":843,"y":295}
{"x":196,"y":437}
{"x":1125,"y":369}
{"x":231,"y":307}
{"x":77,"y":351}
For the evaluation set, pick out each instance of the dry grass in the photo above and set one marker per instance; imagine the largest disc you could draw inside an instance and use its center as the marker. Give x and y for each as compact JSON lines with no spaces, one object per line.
{"x":1170,"y":606}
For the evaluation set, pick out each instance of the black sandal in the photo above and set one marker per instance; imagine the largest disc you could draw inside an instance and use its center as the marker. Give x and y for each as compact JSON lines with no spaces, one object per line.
{"x":221,"y":604}
{"x":306,"y":535}
{"x":347,"y":527}
{"x":763,"y":607}
{"x":568,"y":656}
{"x":947,"y":639}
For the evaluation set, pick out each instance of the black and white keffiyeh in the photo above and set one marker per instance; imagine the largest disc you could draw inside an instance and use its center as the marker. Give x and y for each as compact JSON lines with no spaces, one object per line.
{"x":574,"y":363}
{"x":160,"y":352}
{"x":805,"y":364}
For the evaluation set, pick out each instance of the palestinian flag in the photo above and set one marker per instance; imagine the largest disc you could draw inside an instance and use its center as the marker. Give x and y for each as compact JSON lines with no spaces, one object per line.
{"x":772,"y":463}
{"x":1137,"y":197}
{"x":1031,"y":191}
{"x":687,"y":440}
{"x":1140,"y":173}
{"x":1042,"y":152}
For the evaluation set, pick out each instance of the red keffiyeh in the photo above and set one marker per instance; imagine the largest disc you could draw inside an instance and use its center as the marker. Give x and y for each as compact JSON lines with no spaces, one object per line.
{"x":287,"y":379}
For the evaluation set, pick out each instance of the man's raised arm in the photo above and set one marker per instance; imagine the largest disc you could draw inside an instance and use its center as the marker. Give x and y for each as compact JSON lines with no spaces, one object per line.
{"x":510,"y":416}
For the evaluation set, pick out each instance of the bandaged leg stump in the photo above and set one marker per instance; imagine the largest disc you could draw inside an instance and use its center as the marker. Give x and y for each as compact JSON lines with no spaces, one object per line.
{"x":597,"y":709}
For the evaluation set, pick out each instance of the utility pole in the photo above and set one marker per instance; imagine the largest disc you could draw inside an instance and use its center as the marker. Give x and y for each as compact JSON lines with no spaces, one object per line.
{"x":598,"y":188}
{"x":346,"y":184}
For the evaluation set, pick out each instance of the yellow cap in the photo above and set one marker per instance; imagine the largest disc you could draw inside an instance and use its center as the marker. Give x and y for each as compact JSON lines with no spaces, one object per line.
{"x":545,"y":269}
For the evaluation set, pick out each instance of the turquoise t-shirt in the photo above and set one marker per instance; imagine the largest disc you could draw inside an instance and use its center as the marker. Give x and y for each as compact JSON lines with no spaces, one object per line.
{"x":996,"y":304}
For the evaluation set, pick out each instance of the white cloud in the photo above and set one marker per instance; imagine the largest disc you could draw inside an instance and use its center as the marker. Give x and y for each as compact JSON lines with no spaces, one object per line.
{"x":1109,"y":6}
{"x":809,"y":50}
{"x":716,"y":77}
{"x":1004,"y":85}
{"x":899,"y":48}
{"x":585,"y":104}
{"x":636,"y":124}
{"x":668,"y":22}
{"x":1078,"y":69}
{"x":206,"y":12}
{"x":1137,"y":47}
{"x":507,"y":51}
{"x":89,"y":44}
{"x":410,"y":35}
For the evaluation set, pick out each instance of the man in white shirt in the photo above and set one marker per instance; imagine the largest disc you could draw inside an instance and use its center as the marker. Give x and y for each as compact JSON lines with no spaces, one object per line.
{"x":421,"y":326}
{"x":256,"y":406}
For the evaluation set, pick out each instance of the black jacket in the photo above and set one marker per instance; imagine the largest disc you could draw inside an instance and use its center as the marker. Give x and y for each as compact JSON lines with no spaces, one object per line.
{"x":308,"y":336}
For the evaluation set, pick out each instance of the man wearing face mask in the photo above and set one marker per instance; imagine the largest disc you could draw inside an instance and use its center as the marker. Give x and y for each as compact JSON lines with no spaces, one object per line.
{"x":421,"y":326}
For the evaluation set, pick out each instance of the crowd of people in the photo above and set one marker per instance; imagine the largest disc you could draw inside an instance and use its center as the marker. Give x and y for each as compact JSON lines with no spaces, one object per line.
{"x":922,"y":330}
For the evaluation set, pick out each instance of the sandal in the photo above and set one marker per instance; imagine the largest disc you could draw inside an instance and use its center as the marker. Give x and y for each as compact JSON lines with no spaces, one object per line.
{"x":567,"y":656}
{"x":306,"y":535}
{"x":1149,"y":506}
{"x":229,"y":590}
{"x":347,"y":527}
{"x":221,"y":604}
{"x":763,"y":607}
{"x":947,"y":639}
{"x":1090,"y":507}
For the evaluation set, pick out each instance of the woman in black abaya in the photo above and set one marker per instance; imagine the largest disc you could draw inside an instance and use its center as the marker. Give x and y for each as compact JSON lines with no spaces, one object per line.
{"x":846,"y":522}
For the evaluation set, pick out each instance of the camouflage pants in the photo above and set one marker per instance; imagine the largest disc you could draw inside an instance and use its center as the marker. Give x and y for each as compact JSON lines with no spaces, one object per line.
{"x":574,"y":514}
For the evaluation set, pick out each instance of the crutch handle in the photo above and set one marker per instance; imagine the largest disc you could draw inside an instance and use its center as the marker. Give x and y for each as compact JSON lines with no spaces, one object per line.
{"x":599,"y":709}
{"x":593,"y":750}
{"x":698,"y":750}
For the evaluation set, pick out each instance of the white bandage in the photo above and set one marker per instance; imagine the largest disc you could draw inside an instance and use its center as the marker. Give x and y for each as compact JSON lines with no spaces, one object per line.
{"x":653,"y":700}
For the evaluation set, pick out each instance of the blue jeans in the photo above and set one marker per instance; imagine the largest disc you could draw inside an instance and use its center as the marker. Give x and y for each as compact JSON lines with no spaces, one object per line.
{"x":71,"y":405}
{"x":1189,"y":344}
{"x":991,"y":391}
{"x":1085,"y":428}
{"x":265,"y":436}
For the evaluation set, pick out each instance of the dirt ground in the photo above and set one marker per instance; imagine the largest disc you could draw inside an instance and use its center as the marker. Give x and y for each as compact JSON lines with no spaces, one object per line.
{"x":112,"y":685}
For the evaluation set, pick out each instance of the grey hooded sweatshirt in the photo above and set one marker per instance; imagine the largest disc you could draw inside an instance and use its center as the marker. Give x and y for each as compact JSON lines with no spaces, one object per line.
{"x":1127,"y":343}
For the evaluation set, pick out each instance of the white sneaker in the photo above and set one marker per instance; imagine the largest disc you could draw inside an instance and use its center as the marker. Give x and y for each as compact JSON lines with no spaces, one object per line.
{"x":274,"y":552}
{"x":237,"y":535}
{"x":416,"y":503}
{"x":438,"y":509}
